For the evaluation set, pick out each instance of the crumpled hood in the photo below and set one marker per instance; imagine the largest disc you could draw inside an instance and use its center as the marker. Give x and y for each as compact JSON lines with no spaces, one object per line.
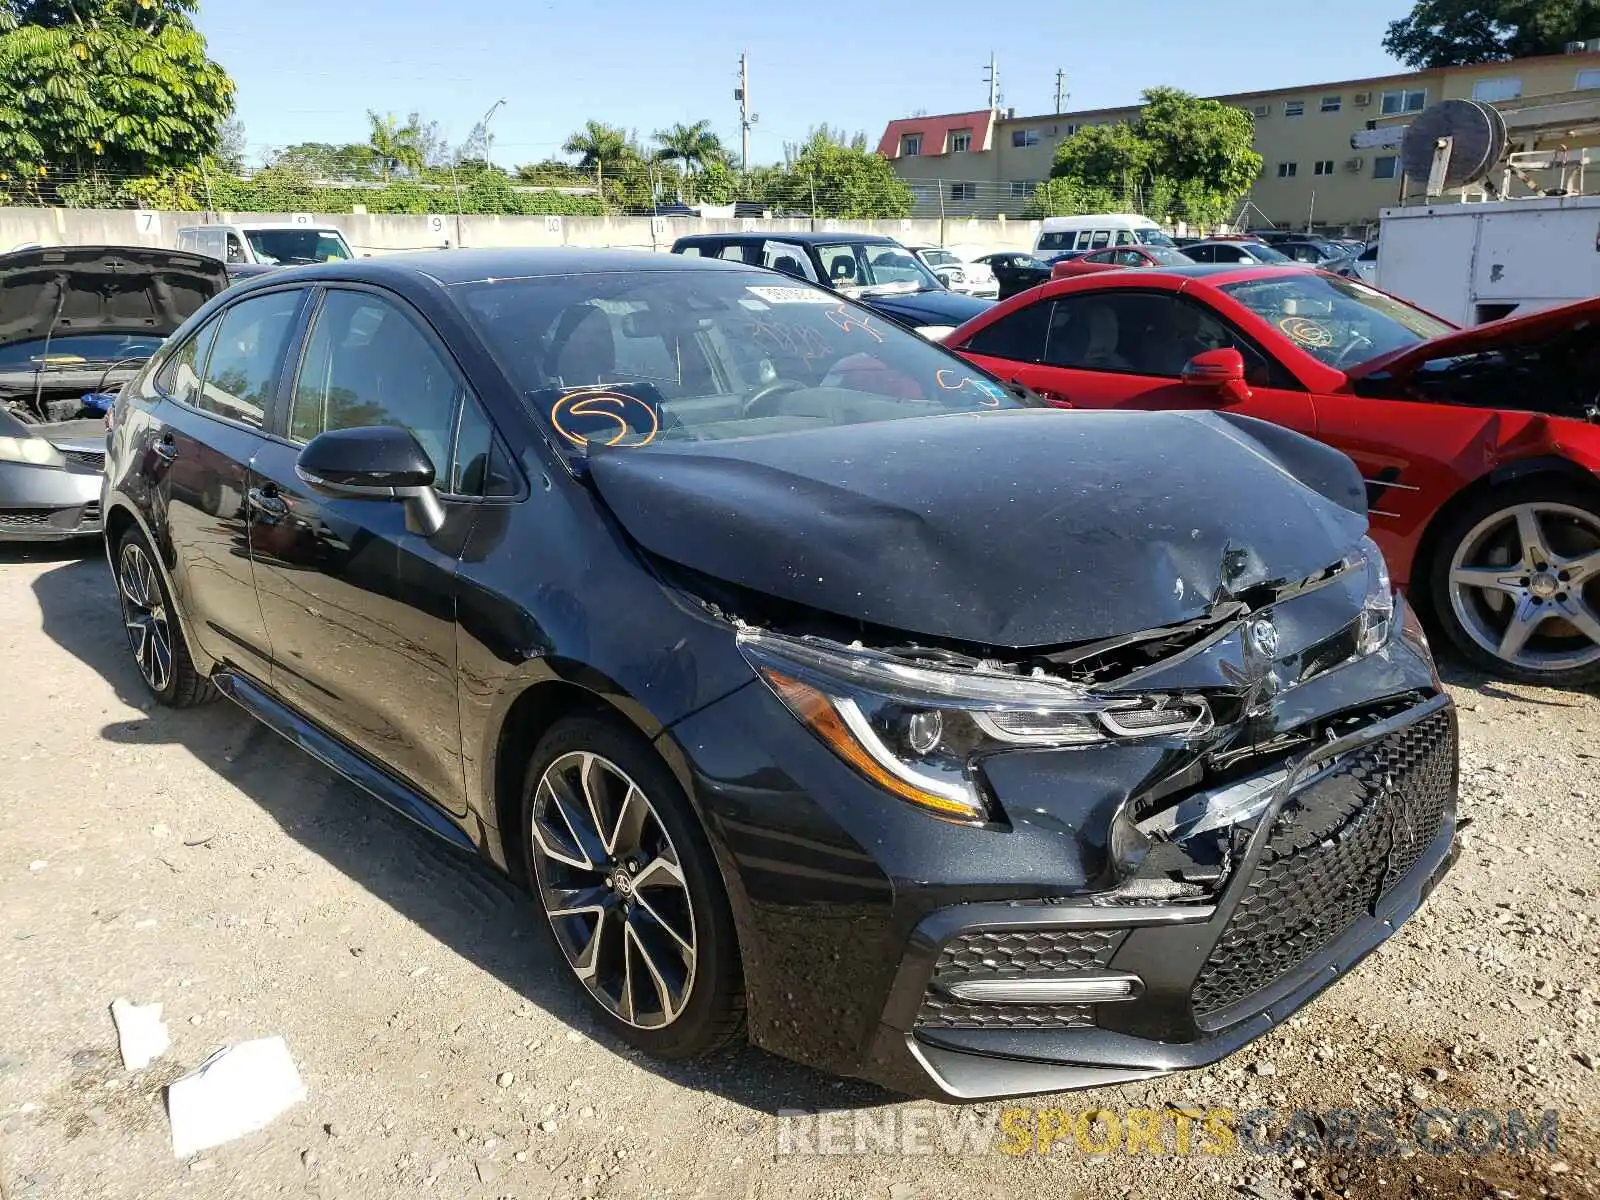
{"x":64,"y":290}
{"x":1014,"y":528}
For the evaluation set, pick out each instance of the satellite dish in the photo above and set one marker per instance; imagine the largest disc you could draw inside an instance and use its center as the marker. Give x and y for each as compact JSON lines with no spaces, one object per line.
{"x":1477,"y":134}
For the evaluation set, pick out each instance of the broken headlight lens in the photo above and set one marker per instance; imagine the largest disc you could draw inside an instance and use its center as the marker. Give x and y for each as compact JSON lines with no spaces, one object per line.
{"x":1376,"y":620}
{"x":915,"y":728}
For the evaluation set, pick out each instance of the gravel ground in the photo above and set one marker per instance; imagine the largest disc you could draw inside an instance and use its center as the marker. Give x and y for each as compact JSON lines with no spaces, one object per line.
{"x":195,"y":860}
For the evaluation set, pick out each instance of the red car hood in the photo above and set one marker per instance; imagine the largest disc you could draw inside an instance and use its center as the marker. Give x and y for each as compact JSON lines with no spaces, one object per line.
{"x":1477,"y":338}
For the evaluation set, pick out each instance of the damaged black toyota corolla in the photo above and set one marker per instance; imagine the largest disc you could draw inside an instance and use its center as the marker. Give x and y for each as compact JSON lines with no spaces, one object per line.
{"x":805,"y":673}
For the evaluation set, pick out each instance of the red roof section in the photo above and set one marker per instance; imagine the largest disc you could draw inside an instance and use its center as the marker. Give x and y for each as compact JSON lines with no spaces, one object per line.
{"x":936,"y":132}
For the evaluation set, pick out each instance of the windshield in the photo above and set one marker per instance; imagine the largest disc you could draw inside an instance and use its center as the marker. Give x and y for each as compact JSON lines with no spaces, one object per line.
{"x":289,"y":247}
{"x":1262,"y":252}
{"x":1153,"y":237}
{"x":941,"y":258}
{"x":874,"y":269}
{"x":1169,"y":257}
{"x":631,"y":358}
{"x":1337,"y":320}
{"x":66,"y":352}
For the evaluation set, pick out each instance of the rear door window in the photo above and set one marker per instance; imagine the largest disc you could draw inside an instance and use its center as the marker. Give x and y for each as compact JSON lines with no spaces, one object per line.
{"x":242,"y":371}
{"x":1100,"y":239}
{"x":180,"y":378}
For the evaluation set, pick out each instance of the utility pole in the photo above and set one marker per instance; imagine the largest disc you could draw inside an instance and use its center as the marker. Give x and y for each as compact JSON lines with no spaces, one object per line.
{"x":746,"y":117}
{"x":1061,"y":92}
{"x":992,"y":76}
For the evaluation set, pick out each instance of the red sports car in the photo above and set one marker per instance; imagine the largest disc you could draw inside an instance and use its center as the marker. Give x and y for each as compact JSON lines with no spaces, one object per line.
{"x":1119,"y":257}
{"x":1479,"y":446}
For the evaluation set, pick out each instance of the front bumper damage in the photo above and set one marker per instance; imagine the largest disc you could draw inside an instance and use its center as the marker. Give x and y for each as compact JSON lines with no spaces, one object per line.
{"x":1190,"y":895}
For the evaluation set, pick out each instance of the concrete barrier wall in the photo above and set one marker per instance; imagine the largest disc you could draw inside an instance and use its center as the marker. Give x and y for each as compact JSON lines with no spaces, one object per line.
{"x":381,"y":234}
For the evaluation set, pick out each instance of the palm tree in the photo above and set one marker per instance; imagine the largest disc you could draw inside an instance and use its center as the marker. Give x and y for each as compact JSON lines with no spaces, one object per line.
{"x":599,"y":146}
{"x":395,"y":147}
{"x":695,"y":146}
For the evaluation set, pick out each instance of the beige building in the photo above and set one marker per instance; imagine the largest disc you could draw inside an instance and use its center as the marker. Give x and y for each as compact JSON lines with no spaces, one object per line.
{"x":986,"y":163}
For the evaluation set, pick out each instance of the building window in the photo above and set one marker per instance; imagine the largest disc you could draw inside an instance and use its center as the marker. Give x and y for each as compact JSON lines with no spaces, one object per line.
{"x":1069,"y":130}
{"x":1288,"y":170}
{"x":910,"y":145}
{"x":1404,"y":102}
{"x":1385,"y":166}
{"x":1324,"y":167}
{"x":1294,"y":108}
{"x":963,"y":191}
{"x":960,"y":141}
{"x":1490,"y":90}
{"x":1021,"y":189}
{"x":1021,"y":138}
{"x":1587,"y":79}
{"x":1332,"y":103}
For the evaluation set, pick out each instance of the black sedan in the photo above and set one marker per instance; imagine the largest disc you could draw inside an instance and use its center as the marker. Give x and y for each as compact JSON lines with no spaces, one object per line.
{"x":817,"y":684}
{"x":1016,"y":271}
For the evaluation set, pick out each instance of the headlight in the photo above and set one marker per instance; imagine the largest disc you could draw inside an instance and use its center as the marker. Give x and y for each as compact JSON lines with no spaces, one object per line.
{"x":957,"y":277}
{"x":33,"y":450}
{"x":1376,"y":619}
{"x":917,"y":729}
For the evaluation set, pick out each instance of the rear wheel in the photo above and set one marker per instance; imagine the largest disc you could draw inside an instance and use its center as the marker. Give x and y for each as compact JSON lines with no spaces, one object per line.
{"x":1516,"y":583}
{"x":622,"y":869}
{"x":154,"y":635}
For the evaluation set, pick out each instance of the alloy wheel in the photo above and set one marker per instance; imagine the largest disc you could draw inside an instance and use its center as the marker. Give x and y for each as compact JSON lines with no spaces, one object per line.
{"x":1525,"y":586}
{"x":613,"y":888}
{"x":144,"y":613}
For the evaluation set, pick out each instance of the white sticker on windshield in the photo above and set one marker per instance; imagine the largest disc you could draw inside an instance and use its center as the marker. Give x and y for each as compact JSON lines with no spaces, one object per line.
{"x":792,"y":295}
{"x":753,"y":304}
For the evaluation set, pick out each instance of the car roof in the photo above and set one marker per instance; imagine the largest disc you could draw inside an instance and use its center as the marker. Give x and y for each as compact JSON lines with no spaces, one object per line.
{"x":808,"y":238}
{"x":1210,"y":274}
{"x":450,"y":267}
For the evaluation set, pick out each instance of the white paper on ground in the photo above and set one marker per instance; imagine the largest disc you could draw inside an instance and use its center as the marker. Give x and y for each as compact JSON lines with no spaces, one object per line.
{"x":236,"y":1091}
{"x":141,"y":1035}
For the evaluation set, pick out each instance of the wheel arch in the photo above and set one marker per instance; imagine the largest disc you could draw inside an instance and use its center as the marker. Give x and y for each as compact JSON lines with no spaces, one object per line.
{"x":1521,"y":471}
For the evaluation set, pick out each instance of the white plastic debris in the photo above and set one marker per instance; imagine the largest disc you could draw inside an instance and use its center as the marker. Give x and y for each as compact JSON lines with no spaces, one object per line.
{"x":236,"y":1091}
{"x":141,"y":1034}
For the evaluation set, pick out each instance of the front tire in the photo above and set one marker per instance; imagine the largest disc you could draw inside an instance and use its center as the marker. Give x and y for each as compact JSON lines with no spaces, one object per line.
{"x":154,"y":634}
{"x":630,"y":889}
{"x":1515,"y":584}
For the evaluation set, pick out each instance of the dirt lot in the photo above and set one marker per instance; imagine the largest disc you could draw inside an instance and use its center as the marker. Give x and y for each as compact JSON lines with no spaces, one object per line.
{"x":195,"y":860}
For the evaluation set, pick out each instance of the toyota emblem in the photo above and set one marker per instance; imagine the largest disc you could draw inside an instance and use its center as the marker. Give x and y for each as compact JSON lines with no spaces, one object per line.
{"x":1263,"y":638}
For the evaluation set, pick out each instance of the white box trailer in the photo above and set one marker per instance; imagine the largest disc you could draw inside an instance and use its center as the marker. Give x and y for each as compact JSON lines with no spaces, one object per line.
{"x":1476,"y":262}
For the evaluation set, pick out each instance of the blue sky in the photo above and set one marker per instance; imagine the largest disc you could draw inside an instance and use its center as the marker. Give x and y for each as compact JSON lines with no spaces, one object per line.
{"x":308,"y":70}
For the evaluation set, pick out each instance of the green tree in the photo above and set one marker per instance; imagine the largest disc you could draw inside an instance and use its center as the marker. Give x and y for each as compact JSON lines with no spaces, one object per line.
{"x":695,"y":146}
{"x":396,"y":147}
{"x":717,"y":183}
{"x":105,"y":89}
{"x":601,"y":147}
{"x":1182,"y":156}
{"x":1454,"y":33}
{"x":832,"y":176}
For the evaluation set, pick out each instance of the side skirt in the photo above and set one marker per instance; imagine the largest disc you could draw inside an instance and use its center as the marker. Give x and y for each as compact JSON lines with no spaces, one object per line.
{"x":367,"y":776}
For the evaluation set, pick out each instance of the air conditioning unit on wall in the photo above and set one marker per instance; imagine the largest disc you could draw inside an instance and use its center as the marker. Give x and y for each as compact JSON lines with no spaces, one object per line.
{"x":1361,"y":99}
{"x":1354,"y":164}
{"x":1262,"y":110}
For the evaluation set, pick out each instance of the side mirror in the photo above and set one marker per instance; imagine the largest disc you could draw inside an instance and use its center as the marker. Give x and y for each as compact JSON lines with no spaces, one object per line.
{"x":374,"y":462}
{"x":1220,"y":370}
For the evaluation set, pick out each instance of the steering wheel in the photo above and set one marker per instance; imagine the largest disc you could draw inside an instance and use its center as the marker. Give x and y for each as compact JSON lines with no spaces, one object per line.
{"x":759,"y":398}
{"x":1357,"y":341}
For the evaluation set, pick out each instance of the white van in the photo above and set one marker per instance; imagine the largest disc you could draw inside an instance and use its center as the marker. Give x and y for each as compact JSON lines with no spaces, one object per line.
{"x":1058,"y":235}
{"x":271,"y":243}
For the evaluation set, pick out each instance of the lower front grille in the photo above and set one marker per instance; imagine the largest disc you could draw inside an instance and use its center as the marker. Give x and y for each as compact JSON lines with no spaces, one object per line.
{"x":86,"y":458}
{"x":23,"y":518}
{"x":1015,"y":953}
{"x":1334,"y":850}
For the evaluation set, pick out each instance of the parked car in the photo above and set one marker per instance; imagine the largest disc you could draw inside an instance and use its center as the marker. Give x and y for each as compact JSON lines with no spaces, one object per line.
{"x":1097,"y":231}
{"x":79,"y":321}
{"x":878,"y":271}
{"x":1363,"y":266}
{"x":266,"y":243}
{"x":1478,"y":446}
{"x":1016,"y":271}
{"x":1314,"y":252}
{"x":808,"y":675}
{"x":1231,"y":250}
{"x":968,"y":278}
{"x":1119,"y":259}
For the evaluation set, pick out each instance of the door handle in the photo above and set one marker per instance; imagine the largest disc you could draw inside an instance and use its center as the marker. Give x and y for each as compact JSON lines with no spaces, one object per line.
{"x":267,"y":502}
{"x":1053,"y":396}
{"x":166,"y":449}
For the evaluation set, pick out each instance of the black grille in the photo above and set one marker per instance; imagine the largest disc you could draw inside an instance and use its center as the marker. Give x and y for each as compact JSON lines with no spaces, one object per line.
{"x":86,"y":458}
{"x":1015,"y":952}
{"x":1335,"y":849}
{"x":26,"y":518}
